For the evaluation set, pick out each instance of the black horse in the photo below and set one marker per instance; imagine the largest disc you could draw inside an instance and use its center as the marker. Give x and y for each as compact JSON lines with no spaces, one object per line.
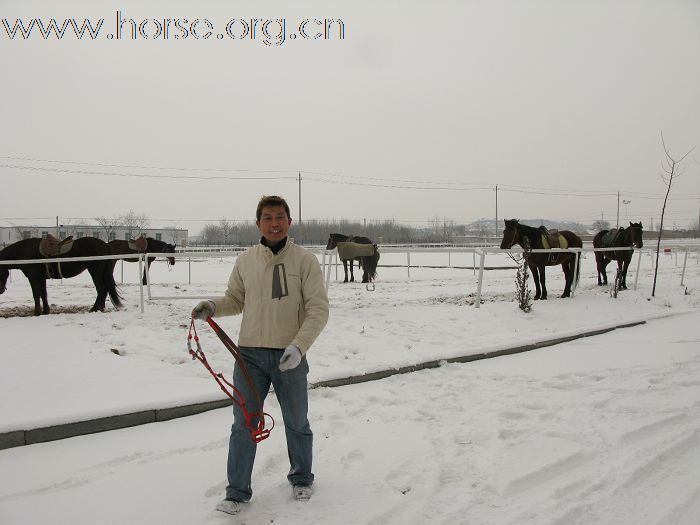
{"x":619,"y":237}
{"x":527,"y":238}
{"x":367,"y":262}
{"x":37,"y":273}
{"x":152,"y":246}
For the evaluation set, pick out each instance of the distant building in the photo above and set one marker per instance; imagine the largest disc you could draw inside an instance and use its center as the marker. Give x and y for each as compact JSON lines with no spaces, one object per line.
{"x":11,"y":234}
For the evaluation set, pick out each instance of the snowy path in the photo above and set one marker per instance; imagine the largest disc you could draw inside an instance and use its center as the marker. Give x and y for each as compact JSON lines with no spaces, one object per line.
{"x":604,"y":430}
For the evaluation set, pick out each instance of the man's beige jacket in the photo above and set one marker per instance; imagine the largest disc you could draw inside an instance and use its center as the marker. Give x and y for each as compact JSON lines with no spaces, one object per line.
{"x":282,"y":297}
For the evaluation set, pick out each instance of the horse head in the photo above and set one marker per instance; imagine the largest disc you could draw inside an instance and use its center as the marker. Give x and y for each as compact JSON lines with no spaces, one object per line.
{"x":334,"y":239}
{"x":4,"y":274}
{"x":511,"y":234}
{"x":636,"y":231}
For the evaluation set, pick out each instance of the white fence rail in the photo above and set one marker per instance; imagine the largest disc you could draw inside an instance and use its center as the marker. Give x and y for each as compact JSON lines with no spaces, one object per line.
{"x":329,"y":260}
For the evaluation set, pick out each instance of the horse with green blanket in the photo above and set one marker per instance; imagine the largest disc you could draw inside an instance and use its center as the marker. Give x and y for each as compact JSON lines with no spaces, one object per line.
{"x":352,"y":248}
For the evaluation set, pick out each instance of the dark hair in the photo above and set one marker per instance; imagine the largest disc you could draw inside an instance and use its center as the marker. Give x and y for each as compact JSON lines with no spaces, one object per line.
{"x":271,"y":200}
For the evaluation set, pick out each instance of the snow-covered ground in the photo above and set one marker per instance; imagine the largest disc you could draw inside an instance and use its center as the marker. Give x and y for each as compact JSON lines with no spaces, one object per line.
{"x":602,"y":430}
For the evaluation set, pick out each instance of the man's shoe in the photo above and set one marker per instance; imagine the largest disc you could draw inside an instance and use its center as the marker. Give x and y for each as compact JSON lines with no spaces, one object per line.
{"x":229,"y":506}
{"x":302,"y":492}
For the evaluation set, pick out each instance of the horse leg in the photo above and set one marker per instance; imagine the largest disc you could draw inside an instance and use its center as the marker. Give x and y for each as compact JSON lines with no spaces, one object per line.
{"x":536,"y":278}
{"x":603,"y":265}
{"x":542,"y":283}
{"x":352,"y":273}
{"x":147,"y":269}
{"x":622,"y":266}
{"x":345,"y":268}
{"x":36,"y":294}
{"x":44,"y":297}
{"x":599,"y":267}
{"x":568,"y":269}
{"x":96,"y":273}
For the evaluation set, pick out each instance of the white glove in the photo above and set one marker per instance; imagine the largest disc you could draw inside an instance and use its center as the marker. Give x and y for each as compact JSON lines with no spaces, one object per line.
{"x":204,"y":310}
{"x":290,"y":358}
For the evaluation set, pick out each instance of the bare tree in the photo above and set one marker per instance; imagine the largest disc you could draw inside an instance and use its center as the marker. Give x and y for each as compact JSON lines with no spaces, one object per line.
{"x":135,"y":223}
{"x":176,"y":234}
{"x":672,"y":171}
{"x":212,"y":234}
{"x":448,"y":228}
{"x":109,"y":224}
{"x":601,"y":225}
{"x":522,"y":290}
{"x":228,"y":228}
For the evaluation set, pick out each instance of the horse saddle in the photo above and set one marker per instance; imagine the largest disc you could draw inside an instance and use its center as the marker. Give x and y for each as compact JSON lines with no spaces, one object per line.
{"x":553,"y":239}
{"x":608,"y":239}
{"x":351,"y":250}
{"x":138,"y":245}
{"x":52,"y":247}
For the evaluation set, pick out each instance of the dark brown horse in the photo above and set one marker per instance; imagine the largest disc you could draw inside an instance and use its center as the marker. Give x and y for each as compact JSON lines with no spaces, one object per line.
{"x":617,"y":238}
{"x":37,"y":273}
{"x":528,"y":238}
{"x":152,"y":246}
{"x":367,"y":262}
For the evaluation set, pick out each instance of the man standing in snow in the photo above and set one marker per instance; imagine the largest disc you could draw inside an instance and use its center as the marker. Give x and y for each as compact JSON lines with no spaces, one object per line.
{"x":286,"y":308}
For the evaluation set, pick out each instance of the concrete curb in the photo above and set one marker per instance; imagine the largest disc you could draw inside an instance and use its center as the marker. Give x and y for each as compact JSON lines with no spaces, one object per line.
{"x":19,"y":438}
{"x":382,"y":374}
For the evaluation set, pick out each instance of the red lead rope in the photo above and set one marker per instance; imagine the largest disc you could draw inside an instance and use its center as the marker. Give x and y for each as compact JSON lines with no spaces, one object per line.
{"x":257,"y":432}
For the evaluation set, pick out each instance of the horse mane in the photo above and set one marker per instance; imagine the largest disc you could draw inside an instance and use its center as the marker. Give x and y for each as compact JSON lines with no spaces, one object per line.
{"x":530,"y":231}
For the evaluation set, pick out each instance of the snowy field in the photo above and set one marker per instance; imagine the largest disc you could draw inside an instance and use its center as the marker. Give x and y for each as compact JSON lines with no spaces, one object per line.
{"x":602,"y":430}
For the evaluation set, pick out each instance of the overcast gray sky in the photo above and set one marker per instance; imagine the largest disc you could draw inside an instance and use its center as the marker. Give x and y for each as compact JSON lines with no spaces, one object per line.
{"x":419,"y":112}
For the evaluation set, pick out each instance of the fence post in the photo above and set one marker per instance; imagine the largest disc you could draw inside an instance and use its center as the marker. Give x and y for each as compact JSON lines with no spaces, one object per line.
{"x":328,"y":273}
{"x":574,"y":280}
{"x":140,"y":281}
{"x":148,"y":276}
{"x":685,"y":260}
{"x":639,"y":262}
{"x":408,"y":262}
{"x":482,"y":257}
{"x":189,"y":269}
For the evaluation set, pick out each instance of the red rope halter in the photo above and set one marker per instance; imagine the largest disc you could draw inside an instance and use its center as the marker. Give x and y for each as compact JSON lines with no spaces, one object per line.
{"x":258,"y":432}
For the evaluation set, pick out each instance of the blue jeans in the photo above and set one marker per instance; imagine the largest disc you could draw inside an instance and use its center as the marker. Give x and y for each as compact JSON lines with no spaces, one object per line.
{"x":291,"y":390}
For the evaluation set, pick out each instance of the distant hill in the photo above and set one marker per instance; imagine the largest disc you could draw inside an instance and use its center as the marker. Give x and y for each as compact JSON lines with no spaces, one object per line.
{"x":488,"y":225}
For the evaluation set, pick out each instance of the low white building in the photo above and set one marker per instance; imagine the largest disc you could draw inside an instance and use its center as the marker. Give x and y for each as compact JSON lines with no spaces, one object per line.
{"x":11,"y":234}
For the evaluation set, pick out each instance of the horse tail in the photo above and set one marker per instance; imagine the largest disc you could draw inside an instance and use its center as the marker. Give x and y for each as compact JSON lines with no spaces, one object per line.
{"x":111,"y":285}
{"x":370,"y":264}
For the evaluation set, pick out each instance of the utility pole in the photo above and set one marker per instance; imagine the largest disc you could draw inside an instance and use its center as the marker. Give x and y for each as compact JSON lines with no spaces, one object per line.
{"x":300,"y":197}
{"x":618,"y":209}
{"x":496,"y":231}
{"x":57,"y":227}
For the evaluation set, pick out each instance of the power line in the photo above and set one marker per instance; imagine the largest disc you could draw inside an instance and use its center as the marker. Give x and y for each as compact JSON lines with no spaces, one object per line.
{"x":143,"y":175}
{"x":354,"y":180}
{"x":136,"y":166}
